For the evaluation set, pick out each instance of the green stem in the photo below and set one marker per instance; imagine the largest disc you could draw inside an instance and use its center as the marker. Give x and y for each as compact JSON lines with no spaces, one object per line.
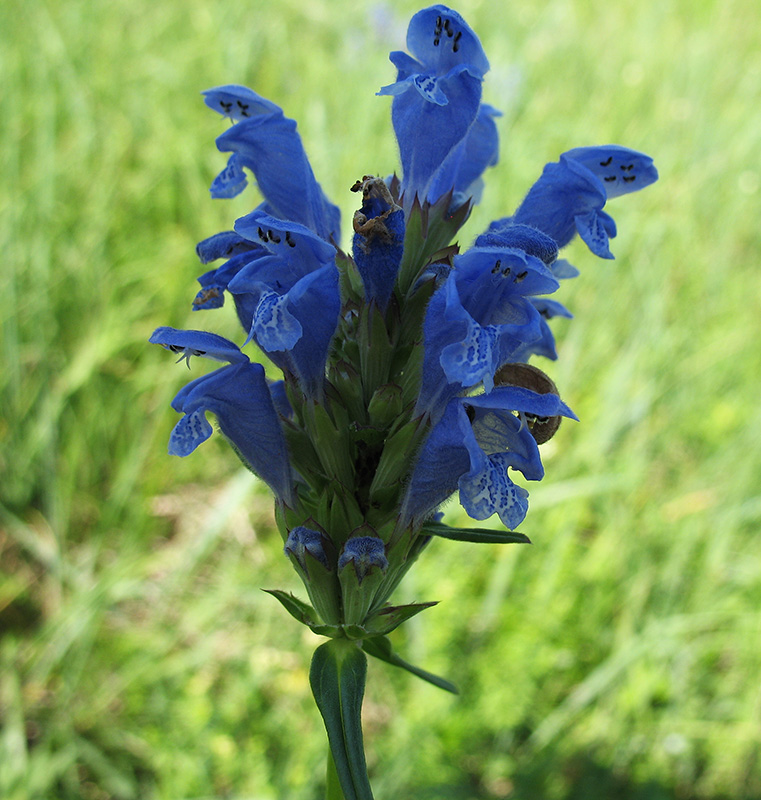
{"x":333,"y":788}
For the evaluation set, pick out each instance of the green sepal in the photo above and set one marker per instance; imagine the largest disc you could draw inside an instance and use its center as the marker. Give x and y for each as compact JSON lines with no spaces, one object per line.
{"x":337,"y":458}
{"x":301,"y":453}
{"x":375,"y":349}
{"x":380,"y":647}
{"x":397,"y":456}
{"x":344,"y":515}
{"x":480,"y":535}
{"x":345,"y":388}
{"x":410,"y":376}
{"x":350,"y":281}
{"x":337,"y":677}
{"x":385,"y":405}
{"x":391,"y":617}
{"x":429,"y":228}
{"x":304,"y":613}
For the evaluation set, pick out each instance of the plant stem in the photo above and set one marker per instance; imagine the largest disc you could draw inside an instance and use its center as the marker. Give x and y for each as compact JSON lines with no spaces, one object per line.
{"x":333,"y":788}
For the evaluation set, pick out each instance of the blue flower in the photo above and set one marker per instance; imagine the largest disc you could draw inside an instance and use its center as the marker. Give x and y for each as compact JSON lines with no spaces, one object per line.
{"x":266,"y":142}
{"x":445,"y":138}
{"x":287,"y":296}
{"x":479,"y":319}
{"x":472,"y":447}
{"x":569,"y":196}
{"x":239,"y":397}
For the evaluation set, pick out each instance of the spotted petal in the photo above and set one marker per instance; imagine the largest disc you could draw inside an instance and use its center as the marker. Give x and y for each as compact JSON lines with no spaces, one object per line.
{"x":197,"y":343}
{"x":488,"y":490}
{"x":620,"y":169}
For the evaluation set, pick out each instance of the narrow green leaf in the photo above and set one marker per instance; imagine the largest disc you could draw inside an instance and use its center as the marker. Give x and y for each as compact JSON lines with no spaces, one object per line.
{"x":337,"y":677}
{"x":304,"y":613}
{"x":482,"y":535}
{"x":391,"y":617}
{"x":380,"y":647}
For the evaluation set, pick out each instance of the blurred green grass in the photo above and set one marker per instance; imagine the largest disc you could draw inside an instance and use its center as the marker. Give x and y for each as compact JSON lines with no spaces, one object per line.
{"x":617,"y":657}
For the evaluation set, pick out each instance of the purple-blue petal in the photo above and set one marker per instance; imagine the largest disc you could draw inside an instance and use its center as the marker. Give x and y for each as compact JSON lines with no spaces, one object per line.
{"x":270,"y":147}
{"x":620,"y":169}
{"x":198,"y":343}
{"x":238,"y":395}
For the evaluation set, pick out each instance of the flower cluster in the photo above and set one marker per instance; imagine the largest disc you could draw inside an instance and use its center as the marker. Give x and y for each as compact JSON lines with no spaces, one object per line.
{"x":404,"y":362}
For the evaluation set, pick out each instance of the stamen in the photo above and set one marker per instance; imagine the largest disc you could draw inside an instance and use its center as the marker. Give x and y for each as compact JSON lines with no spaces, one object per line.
{"x":605,"y":163}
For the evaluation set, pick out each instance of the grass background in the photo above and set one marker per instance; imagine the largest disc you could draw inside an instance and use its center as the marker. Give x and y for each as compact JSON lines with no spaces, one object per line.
{"x":617,"y":657}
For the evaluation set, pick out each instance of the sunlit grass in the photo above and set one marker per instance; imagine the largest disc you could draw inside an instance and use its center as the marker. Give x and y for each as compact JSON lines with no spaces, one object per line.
{"x":616,"y":657}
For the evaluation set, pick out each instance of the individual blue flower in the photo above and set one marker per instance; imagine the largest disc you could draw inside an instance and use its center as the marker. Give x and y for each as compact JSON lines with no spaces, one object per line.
{"x":472,"y":447}
{"x":378,"y":240}
{"x":364,"y":554}
{"x":479,"y":319}
{"x":437,"y":96}
{"x":570,"y":195}
{"x":288,"y":298}
{"x":304,"y":541}
{"x":239,"y":397}
{"x":266,"y":142}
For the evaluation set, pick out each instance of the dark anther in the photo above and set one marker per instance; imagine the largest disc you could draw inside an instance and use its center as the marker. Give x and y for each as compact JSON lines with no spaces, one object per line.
{"x":521,"y":275}
{"x":438,"y":26}
{"x":175,"y":348}
{"x":605,"y":163}
{"x":436,"y":42}
{"x":609,"y":178}
{"x":456,"y":43}
{"x":506,"y":271}
{"x":197,"y":352}
{"x":627,"y":168}
{"x":288,"y":239}
{"x":629,"y":178}
{"x":495,"y":268}
{"x":448,"y":28}
{"x":273,"y":237}
{"x":225,"y":106}
{"x":243,"y":108}
{"x":261,"y":234}
{"x":471,"y":412}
